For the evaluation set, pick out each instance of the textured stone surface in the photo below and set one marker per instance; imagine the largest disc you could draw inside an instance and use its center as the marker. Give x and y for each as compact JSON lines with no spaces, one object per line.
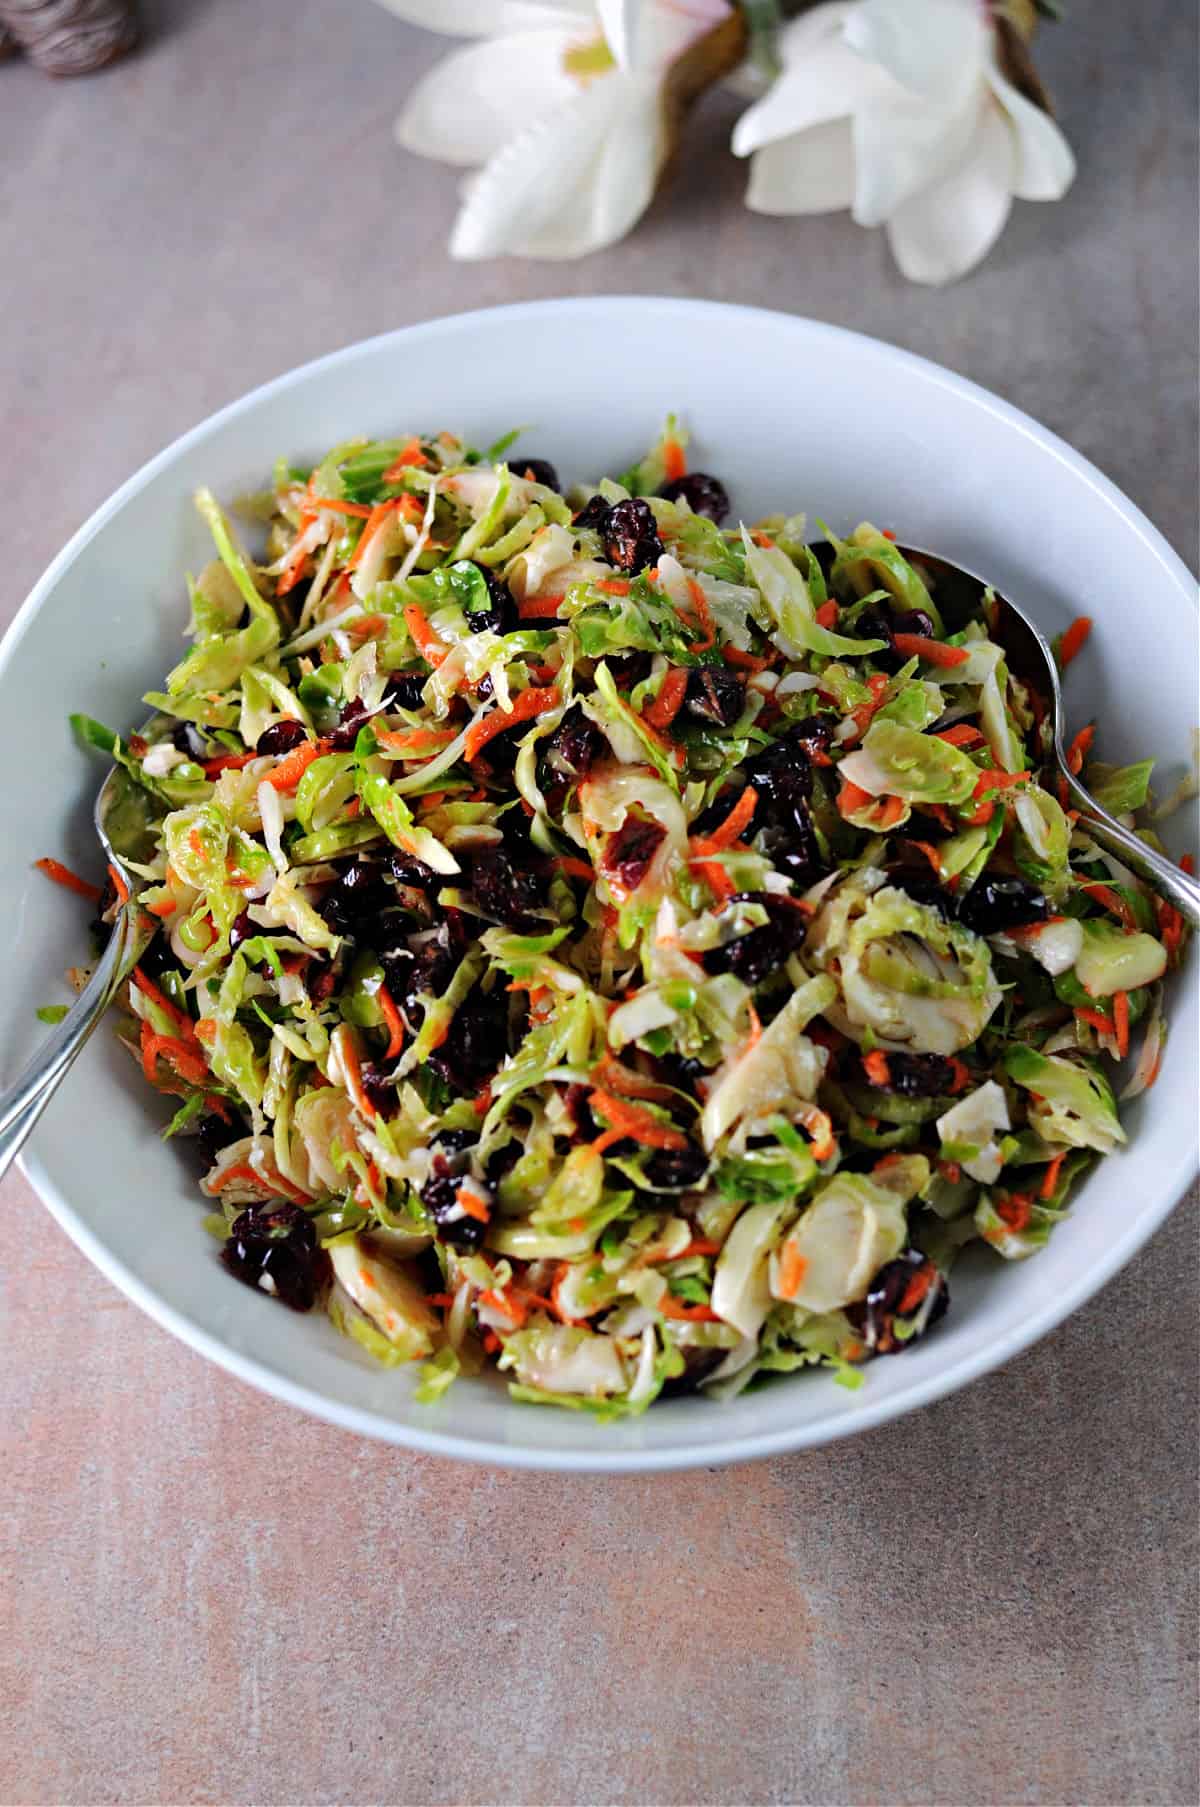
{"x":207,"y":1597}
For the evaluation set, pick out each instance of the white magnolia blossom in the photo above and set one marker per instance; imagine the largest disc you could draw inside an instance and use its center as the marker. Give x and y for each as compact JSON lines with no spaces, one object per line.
{"x":559,"y":107}
{"x":898,"y":110}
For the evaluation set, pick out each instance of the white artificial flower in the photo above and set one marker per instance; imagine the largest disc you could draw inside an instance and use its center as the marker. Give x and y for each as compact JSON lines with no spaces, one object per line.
{"x":898,"y":110}
{"x":559,"y":106}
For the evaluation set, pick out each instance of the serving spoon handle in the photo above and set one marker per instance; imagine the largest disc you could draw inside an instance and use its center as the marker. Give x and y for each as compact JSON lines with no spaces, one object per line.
{"x":25,"y":1100}
{"x":1177,"y":886}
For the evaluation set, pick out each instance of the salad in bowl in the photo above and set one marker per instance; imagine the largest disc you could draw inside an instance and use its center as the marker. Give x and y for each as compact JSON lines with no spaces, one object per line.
{"x":628,"y":947}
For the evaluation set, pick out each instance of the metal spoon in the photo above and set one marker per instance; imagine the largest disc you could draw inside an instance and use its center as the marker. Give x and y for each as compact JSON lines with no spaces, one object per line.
{"x":959,"y":596}
{"x":125,"y":818}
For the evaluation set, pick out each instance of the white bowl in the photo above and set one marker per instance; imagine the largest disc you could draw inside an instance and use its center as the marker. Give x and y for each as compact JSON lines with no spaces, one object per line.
{"x":792,"y":415}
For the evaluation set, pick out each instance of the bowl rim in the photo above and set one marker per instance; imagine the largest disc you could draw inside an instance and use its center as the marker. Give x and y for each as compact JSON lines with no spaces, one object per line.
{"x":708,"y":1451}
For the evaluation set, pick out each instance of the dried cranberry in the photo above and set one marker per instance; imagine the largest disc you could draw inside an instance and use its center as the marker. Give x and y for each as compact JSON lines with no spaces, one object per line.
{"x":630,"y":850}
{"x":187,"y":738}
{"x":912,"y":1288}
{"x":538,"y":470}
{"x":917,"y":1075}
{"x":500,"y":617}
{"x":241,"y":930}
{"x":274,"y":1248}
{"x":476,"y":1042}
{"x":594,"y":515}
{"x":698,"y":1365}
{"x":782,"y":777}
{"x":762,"y":950}
{"x":405,"y":688}
{"x":407,"y":870}
{"x":913,"y":621}
{"x":994,"y":904}
{"x":629,"y":669}
{"x":703,"y":494}
{"x":575,"y":745}
{"x":358,"y":892}
{"x":354,"y":717}
{"x":379,"y":1087}
{"x":586,"y":1129}
{"x":281,"y":737}
{"x":214,"y":1134}
{"x":676,"y":1169}
{"x":631,"y":539}
{"x":714,"y":694}
{"x":511,"y":893}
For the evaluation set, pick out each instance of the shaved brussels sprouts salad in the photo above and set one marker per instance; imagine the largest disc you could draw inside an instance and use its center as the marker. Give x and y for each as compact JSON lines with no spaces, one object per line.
{"x":631,"y":950}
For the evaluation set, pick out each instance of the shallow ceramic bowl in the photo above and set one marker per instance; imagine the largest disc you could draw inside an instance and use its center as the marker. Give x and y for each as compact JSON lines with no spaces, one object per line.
{"x":791,"y":415}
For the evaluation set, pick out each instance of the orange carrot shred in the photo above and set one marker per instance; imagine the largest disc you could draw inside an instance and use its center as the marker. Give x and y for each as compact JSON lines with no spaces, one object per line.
{"x":525,"y":704}
{"x":1050,"y":1177}
{"x":827,"y":614}
{"x":674,"y":462}
{"x":666,"y":705}
{"x":70,"y":881}
{"x":633,"y":1120}
{"x":432,"y":649}
{"x":119,"y":885}
{"x":875,"y":1066}
{"x":724,"y":836}
{"x":292,"y":766}
{"x":792,"y":1269}
{"x":1073,"y":640}
{"x":394,"y":1021}
{"x":934,"y":652}
{"x":1121,"y":1022}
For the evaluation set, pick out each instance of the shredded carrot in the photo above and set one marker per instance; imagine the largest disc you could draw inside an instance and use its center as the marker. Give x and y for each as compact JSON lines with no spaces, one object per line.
{"x":1170,"y":926}
{"x":560,"y":1312}
{"x":172,"y":1012}
{"x":1113,"y":902}
{"x":614,"y":586}
{"x":667,"y":704}
{"x":890,"y":812}
{"x":70,"y":881}
{"x":961,"y":1074}
{"x":1121,"y":1022}
{"x":792,"y":1269}
{"x":932,"y":853}
{"x":574,"y":868}
{"x":950,"y":1171}
{"x":875,"y":1066}
{"x":1187,"y":863}
{"x":961,"y":735}
{"x":414,"y":740}
{"x":206,"y":1029}
{"x":1015,"y":1211}
{"x":360,"y":509}
{"x":700,"y":603}
{"x":365,"y":626}
{"x":703,"y":846}
{"x":482,"y":1102}
{"x":888,"y":534}
{"x":491,"y":1342}
{"x":292,"y":571}
{"x":1080,"y":747}
{"x":996,"y":780}
{"x":227,"y":762}
{"x":186,"y":1062}
{"x":916,"y":1290}
{"x":539,"y":608}
{"x":410,"y":454}
{"x":762,"y":539}
{"x":525,"y":704}
{"x":474,"y":1206}
{"x":1097,"y":1021}
{"x":748,"y":661}
{"x":504,"y":1302}
{"x":983,"y":815}
{"x":432,"y":650}
{"x":674,"y":462}
{"x":348,"y":1055}
{"x":716,"y":878}
{"x":632,"y":1120}
{"x":611,"y":1076}
{"x":827,"y":614}
{"x":118,"y":884}
{"x":1073,"y":640}
{"x":166,"y":907}
{"x":1050,"y":1177}
{"x":852,"y":797}
{"x":394,"y":1021}
{"x":292,"y":766}
{"x":934,"y":652}
{"x":671,"y":1307}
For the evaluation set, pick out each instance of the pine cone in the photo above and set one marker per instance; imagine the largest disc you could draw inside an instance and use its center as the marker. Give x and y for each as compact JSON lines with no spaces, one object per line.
{"x":71,"y":37}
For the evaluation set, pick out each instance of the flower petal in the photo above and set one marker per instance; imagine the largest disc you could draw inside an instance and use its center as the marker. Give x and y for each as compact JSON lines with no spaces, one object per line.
{"x":571,"y":184}
{"x":935,"y":48}
{"x":901,"y":147}
{"x":829,"y":82}
{"x":949,"y":227}
{"x":477,"y":99}
{"x":1045,"y":167}
{"x":810,"y":173}
{"x":620,"y":21}
{"x":487,"y":18}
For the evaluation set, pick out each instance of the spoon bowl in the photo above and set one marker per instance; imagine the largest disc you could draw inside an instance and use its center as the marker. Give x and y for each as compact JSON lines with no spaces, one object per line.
{"x":962,"y":597}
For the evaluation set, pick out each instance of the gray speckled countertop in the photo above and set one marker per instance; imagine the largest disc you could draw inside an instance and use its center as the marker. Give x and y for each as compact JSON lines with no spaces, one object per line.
{"x":210,"y":1598}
